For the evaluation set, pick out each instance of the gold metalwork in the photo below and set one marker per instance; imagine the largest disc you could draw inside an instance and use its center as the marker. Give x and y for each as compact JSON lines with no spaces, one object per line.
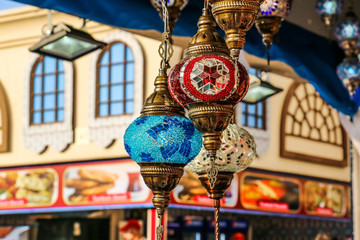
{"x":217,"y":192}
{"x":350,"y":46}
{"x":207,"y":39}
{"x":173,"y":13}
{"x":268,"y":26}
{"x":160,"y":101}
{"x":161,"y":178}
{"x":235,"y":17}
{"x":329,"y":20}
{"x":211,"y":119}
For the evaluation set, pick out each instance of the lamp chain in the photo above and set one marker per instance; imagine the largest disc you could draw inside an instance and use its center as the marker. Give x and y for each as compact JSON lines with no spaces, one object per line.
{"x":217,"y":218}
{"x":160,"y":228}
{"x":165,"y":49}
{"x":165,"y":52}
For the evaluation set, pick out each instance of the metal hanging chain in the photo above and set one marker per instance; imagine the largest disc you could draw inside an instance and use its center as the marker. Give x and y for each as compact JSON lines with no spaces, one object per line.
{"x":165,"y":49}
{"x":160,"y":228}
{"x":217,"y":218}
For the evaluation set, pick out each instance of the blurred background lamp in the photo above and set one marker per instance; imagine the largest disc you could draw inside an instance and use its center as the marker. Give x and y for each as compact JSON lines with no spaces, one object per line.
{"x":259,"y":90}
{"x":66,"y":42}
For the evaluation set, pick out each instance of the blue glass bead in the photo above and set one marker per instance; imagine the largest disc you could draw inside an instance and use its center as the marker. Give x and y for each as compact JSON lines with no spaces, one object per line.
{"x":349,"y":68}
{"x":329,"y":6}
{"x":162,"y":139}
{"x":347,"y":29}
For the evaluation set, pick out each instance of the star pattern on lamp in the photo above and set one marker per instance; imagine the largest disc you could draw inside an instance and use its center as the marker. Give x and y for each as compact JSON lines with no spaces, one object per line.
{"x":209,"y":76}
{"x":169,"y":148}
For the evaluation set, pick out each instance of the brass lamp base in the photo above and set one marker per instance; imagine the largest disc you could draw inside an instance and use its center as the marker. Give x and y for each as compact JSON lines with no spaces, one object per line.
{"x":350,"y":46}
{"x":352,"y":84}
{"x":268,"y":26}
{"x":161,"y":178}
{"x":217,"y":192}
{"x":235,"y":18}
{"x":211,"y":119}
{"x":329,"y":20}
{"x":222,"y":184}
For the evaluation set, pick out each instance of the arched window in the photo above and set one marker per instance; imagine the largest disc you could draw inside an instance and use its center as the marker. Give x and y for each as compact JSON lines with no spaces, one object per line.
{"x":115,"y":80}
{"x":309,"y":124}
{"x":4,"y":122}
{"x":116,"y":87}
{"x":48,"y":104}
{"x":47,"y":91}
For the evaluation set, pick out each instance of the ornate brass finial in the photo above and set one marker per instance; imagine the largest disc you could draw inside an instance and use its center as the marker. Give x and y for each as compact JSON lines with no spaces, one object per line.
{"x":173,"y":9}
{"x":160,"y":101}
{"x":235,"y":17}
{"x":207,"y":39}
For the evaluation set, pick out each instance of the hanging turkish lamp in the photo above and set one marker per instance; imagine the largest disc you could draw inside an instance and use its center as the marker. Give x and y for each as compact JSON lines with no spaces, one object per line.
{"x":237,"y":151}
{"x":349,"y":72}
{"x":174,"y":8}
{"x":347,"y":33}
{"x":329,"y":11}
{"x":162,"y":140}
{"x":209,"y":84}
{"x":269,"y":19}
{"x":235,"y":18}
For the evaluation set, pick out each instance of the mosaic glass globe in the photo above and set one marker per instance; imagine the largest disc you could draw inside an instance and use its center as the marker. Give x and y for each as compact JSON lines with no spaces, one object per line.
{"x":349,"y":28}
{"x":238,"y":150}
{"x":280,"y":8}
{"x":329,"y":7}
{"x":162,"y":139}
{"x":348,"y":69}
{"x":207,"y":78}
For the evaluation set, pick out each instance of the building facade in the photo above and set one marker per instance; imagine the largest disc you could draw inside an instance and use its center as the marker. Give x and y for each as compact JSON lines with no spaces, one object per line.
{"x":57,"y":112}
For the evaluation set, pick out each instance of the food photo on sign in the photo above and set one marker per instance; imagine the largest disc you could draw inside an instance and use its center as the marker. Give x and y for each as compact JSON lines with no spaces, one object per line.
{"x":267,"y":192}
{"x":105,"y":183}
{"x":190,"y":191}
{"x":31,"y":187}
{"x":325,"y":199}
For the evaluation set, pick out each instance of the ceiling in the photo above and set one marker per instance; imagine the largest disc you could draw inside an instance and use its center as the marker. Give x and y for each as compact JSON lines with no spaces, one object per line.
{"x":303,"y":14}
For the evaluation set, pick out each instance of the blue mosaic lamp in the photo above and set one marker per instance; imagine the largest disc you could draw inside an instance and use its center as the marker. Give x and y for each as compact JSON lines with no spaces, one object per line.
{"x":348,"y":34}
{"x":329,"y":11}
{"x":162,"y":141}
{"x":349,"y":72}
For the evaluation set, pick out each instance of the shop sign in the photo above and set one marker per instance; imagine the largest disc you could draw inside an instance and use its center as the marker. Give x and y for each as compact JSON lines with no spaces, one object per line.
{"x":325,"y":199}
{"x":94,"y":183}
{"x":270,"y":193}
{"x":190,"y":191}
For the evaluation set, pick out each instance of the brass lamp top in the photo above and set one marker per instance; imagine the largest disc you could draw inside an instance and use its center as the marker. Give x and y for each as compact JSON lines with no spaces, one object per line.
{"x":160,"y":101}
{"x":207,"y":39}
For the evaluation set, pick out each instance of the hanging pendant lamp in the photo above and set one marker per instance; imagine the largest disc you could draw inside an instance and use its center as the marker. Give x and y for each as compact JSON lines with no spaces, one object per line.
{"x":162,"y":140}
{"x":269,"y":19}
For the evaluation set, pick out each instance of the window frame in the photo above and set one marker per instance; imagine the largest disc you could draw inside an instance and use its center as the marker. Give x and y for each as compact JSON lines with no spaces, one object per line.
{"x":57,"y":135}
{"x":245,"y":114}
{"x":42,"y":93}
{"x":109,"y":85}
{"x":262,"y":136}
{"x":105,"y":130}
